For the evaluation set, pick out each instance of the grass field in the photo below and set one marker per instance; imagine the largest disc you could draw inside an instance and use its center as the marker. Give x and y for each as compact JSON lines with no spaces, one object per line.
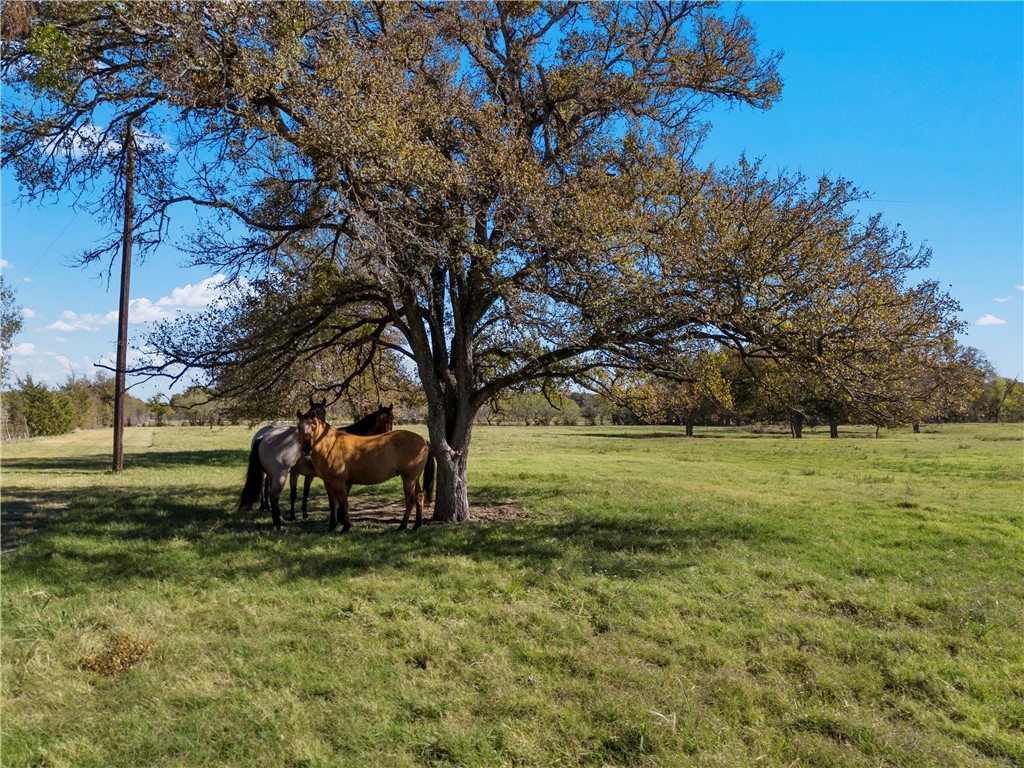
{"x":731,"y":600}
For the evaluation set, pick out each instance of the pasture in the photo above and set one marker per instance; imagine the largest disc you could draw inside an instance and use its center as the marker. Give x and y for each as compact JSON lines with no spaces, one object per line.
{"x":726,"y":600}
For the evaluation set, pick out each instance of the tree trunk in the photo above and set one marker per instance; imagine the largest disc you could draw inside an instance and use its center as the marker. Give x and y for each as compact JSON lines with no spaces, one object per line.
{"x":690,"y":418}
{"x":917,"y":428}
{"x":833,"y":429}
{"x":451,"y":499}
{"x":796,"y":425}
{"x":450,"y":435}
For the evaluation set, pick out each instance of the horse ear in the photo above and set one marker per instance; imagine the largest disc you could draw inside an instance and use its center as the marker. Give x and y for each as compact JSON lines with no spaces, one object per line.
{"x":390,"y":408}
{"x":300,"y":415}
{"x":311,"y":403}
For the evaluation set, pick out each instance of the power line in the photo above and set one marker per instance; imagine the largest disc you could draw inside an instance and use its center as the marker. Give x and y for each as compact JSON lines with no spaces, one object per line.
{"x":50,"y":246}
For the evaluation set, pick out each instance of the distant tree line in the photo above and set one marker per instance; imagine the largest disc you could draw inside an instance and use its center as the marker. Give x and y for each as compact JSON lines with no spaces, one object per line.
{"x":730,"y":391}
{"x":33,"y":409}
{"x":722,"y":390}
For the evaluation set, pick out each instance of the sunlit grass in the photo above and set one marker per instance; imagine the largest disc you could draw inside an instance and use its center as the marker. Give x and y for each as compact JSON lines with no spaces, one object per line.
{"x":729,"y":600}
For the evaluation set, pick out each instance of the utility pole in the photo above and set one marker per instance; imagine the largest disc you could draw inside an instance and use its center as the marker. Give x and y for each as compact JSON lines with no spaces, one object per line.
{"x":122,"y":316}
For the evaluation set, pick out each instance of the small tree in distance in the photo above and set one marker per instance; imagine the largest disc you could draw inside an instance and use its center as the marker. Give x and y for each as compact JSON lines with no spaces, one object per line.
{"x":159,"y":408}
{"x":10,"y":326}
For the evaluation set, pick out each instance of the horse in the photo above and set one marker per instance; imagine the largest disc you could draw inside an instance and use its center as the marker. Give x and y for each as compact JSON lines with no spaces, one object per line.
{"x":275,"y":455}
{"x":377,"y":423}
{"x":343,"y":460}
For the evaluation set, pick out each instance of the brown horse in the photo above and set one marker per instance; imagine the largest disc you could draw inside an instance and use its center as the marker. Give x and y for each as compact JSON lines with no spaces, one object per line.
{"x":342,"y":460}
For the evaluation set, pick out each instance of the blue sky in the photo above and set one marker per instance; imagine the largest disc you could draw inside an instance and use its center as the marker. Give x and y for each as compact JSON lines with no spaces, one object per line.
{"x":921,"y":104}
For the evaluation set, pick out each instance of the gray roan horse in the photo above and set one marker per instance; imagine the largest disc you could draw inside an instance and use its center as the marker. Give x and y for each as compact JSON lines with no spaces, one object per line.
{"x":275,"y":454}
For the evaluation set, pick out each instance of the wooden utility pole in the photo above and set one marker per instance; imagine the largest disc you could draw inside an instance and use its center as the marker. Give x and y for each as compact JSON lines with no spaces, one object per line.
{"x":122,"y":316}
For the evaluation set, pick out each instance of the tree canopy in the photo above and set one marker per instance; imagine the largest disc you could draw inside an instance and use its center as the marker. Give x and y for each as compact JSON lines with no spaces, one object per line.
{"x":503,"y":194}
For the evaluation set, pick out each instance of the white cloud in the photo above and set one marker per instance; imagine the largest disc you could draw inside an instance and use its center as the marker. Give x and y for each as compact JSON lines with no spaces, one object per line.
{"x":27,"y":313}
{"x":25,"y":349}
{"x":990,"y":320}
{"x":1000,"y":299}
{"x":72,"y":321}
{"x":27,"y":280}
{"x":145,"y":311}
{"x":5,"y":264}
{"x":187,"y":298}
{"x":142,"y":310}
{"x":196,"y":296}
{"x":1019,"y":287}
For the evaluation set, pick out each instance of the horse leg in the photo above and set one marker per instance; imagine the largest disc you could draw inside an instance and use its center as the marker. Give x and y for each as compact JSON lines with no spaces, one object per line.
{"x":265,"y":495}
{"x":419,"y":506}
{"x":275,"y":500}
{"x":293,"y":481}
{"x":332,"y":501}
{"x":275,"y":511}
{"x":305,"y":495}
{"x":343,"y":506}
{"x":338,"y":496}
{"x":333,"y":515}
{"x":413,"y":498}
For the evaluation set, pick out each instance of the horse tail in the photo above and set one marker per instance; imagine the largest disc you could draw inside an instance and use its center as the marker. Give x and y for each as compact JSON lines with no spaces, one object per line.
{"x":428,"y":478}
{"x":253,"y":479}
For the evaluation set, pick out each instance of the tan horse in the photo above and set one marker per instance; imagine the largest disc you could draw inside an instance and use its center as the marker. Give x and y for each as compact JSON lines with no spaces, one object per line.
{"x":343,"y":460}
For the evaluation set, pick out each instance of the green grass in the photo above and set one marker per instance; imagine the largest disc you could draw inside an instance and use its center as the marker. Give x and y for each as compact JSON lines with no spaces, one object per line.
{"x":727,"y":600}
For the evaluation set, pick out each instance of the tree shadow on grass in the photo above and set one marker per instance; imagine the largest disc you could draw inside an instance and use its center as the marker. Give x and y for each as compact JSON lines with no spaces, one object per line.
{"x":101,"y":463}
{"x":113,"y":536}
{"x":24,"y":514}
{"x":635,"y":435}
{"x":73,"y":465}
{"x":187,"y":459}
{"x":696,"y":436}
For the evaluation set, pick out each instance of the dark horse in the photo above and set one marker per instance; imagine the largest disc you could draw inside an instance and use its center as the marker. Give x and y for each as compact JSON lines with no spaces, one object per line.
{"x":342,"y":460}
{"x":275,"y":455}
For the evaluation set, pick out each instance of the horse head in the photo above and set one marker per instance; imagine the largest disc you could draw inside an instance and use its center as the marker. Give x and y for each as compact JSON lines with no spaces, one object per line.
{"x":310,"y":429}
{"x":318,"y":409}
{"x":385,"y":419}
